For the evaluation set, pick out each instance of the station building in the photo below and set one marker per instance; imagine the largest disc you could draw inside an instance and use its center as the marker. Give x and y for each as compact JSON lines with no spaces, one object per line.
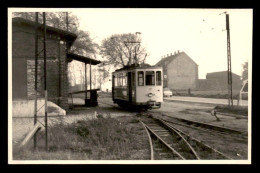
{"x":57,"y":59}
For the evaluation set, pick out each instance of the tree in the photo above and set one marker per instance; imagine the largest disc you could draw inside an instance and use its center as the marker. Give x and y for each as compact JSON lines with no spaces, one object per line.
{"x":84,"y":45}
{"x":103,"y":73}
{"x":245,"y":71}
{"x":54,"y":19}
{"x":123,"y":49}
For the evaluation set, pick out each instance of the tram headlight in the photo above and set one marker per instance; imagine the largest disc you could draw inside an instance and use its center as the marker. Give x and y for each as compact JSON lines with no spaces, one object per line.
{"x":150,"y":94}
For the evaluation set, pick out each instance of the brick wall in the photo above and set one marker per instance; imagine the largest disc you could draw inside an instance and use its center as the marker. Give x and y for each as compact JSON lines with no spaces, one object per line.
{"x":23,"y":47}
{"x":182,"y":73}
{"x":217,"y":85}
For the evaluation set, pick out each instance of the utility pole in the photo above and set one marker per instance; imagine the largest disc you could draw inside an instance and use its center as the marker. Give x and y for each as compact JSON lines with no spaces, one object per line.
{"x":35,"y":76}
{"x":45,"y":83}
{"x":67,"y":21}
{"x":229,"y":71}
{"x":230,"y":97}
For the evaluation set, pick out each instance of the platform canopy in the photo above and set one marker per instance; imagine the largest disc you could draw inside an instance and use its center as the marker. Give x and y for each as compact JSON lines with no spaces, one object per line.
{"x":72,"y":56}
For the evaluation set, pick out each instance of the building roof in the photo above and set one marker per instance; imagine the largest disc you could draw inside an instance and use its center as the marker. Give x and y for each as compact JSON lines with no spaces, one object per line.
{"x":171,"y":58}
{"x":87,"y":60}
{"x":69,"y":36}
{"x":219,"y":74}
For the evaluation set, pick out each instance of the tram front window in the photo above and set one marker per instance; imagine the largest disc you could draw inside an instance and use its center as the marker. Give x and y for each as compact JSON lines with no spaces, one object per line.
{"x":140,"y":78}
{"x":149,"y":78}
{"x":158,"y":78}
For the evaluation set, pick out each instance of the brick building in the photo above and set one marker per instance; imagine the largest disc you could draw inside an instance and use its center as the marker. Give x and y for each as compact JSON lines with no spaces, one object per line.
{"x":217,"y":81}
{"x":23,"y":61}
{"x":180,"y":71}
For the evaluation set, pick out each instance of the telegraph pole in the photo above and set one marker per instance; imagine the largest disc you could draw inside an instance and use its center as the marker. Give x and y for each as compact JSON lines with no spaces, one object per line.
{"x":35,"y":77}
{"x":45,"y":82}
{"x":67,"y":21}
{"x":230,"y":97}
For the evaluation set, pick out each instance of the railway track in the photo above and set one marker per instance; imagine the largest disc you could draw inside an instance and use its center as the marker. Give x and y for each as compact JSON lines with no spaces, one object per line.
{"x":199,"y":125}
{"x":183,"y":126}
{"x":207,"y":127}
{"x":169,"y":143}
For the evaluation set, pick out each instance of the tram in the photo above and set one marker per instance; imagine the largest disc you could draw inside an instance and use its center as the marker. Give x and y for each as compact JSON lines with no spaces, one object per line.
{"x":138,"y":86}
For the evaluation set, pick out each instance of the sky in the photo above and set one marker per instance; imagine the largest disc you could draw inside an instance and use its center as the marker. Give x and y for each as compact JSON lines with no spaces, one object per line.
{"x":200,"y":33}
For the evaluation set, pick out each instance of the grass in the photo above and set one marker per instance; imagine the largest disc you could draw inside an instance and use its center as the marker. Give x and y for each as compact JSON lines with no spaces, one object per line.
{"x":240,"y":110}
{"x":98,"y":139}
{"x":209,"y":94}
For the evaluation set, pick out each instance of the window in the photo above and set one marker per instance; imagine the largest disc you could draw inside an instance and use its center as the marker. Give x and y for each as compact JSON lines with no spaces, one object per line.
{"x":115,"y":80}
{"x":124,"y":79}
{"x":120,"y":79}
{"x":141,"y":78}
{"x":149,"y":78}
{"x":158,"y":78}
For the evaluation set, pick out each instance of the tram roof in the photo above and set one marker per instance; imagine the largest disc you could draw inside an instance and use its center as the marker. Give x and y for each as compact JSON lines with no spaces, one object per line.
{"x":133,"y":67}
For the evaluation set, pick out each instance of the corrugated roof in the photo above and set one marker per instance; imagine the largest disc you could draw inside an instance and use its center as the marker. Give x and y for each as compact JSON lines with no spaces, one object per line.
{"x":49,"y":29}
{"x":87,"y":60}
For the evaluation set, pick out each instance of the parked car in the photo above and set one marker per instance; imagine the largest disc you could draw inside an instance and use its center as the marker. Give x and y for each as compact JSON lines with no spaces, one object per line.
{"x":167,"y":92}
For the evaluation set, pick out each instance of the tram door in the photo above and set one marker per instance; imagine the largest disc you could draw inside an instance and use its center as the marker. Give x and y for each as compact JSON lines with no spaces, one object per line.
{"x":113,"y":86}
{"x":129,"y":81}
{"x":133,"y":87}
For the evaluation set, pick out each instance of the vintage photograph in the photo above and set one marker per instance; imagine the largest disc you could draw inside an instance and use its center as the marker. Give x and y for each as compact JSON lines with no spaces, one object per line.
{"x":129,"y":85}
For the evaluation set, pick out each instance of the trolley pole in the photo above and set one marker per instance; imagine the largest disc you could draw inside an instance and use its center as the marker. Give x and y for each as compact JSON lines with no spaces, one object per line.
{"x":35,"y":77}
{"x":45,"y":83}
{"x":230,"y":97}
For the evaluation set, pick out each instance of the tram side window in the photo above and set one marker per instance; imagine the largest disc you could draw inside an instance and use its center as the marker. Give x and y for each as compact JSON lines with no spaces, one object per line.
{"x":140,"y":78}
{"x":158,"y":78}
{"x":115,"y":80}
{"x":120,"y":79}
{"x":124,"y":79}
{"x":149,"y":78}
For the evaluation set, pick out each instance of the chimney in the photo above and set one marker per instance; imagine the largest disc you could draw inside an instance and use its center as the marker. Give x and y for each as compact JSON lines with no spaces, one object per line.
{"x":167,"y":55}
{"x":178,"y":51}
{"x":171,"y":54}
{"x":174,"y":52}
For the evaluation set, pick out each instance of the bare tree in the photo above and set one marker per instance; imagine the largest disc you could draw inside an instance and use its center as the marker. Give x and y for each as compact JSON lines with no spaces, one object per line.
{"x":123,"y":49}
{"x":103,"y":73}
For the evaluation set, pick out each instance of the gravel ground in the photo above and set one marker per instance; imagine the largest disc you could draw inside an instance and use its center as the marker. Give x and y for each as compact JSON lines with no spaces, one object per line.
{"x":201,"y":112}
